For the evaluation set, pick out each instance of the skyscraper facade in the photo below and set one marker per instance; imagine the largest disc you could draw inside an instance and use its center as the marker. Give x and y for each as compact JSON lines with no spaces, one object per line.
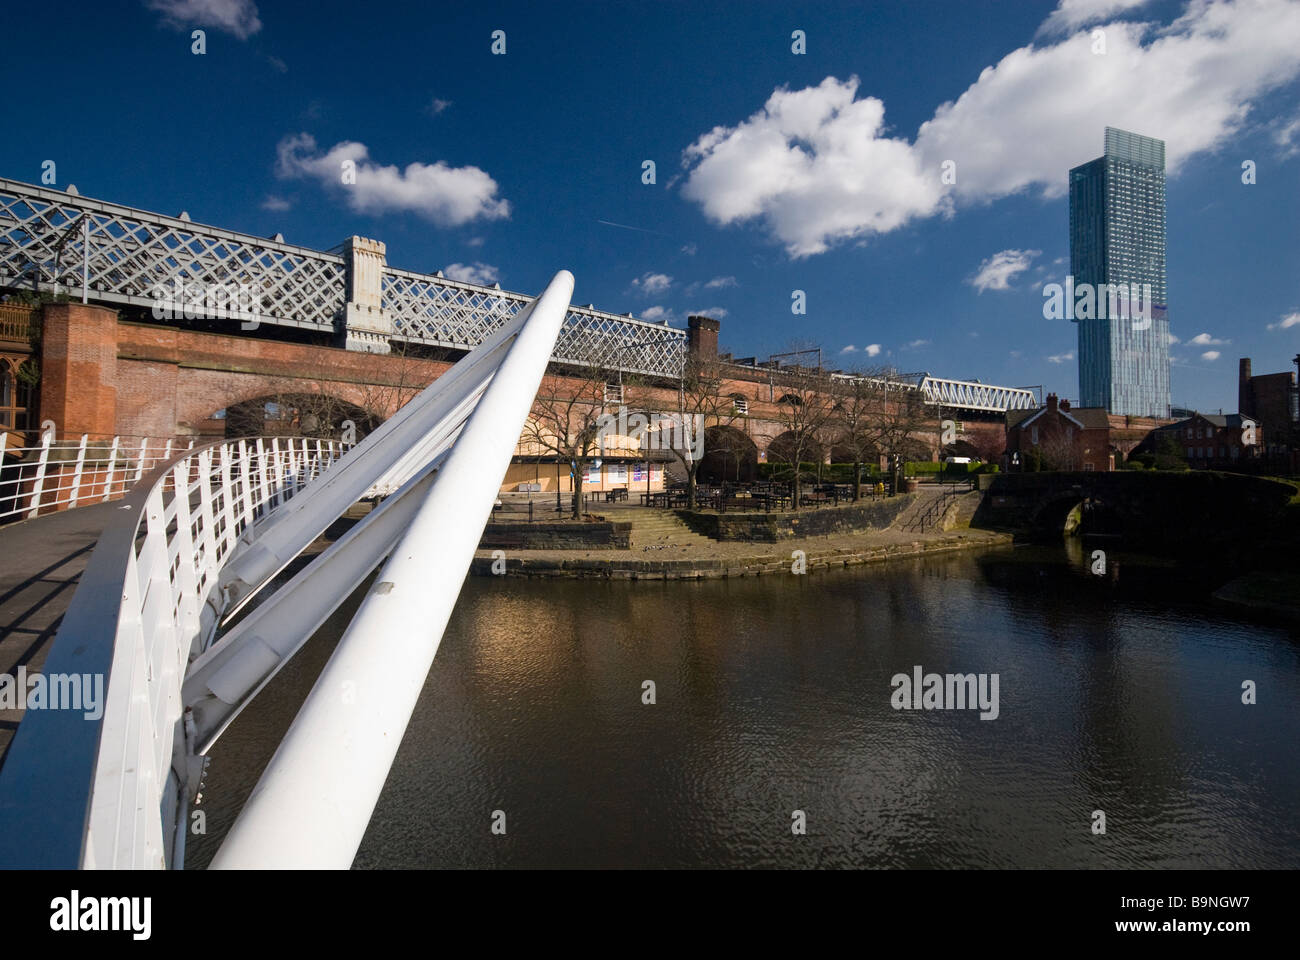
{"x":1117,"y":240}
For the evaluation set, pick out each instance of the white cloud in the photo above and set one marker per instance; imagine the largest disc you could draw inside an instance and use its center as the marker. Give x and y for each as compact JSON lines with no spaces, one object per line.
{"x":916,"y":344}
{"x":721,"y":283}
{"x":689,"y":249}
{"x":1205,"y":340}
{"x":1061,"y":357}
{"x":997,"y":272}
{"x":1210,"y":355}
{"x":448,"y":196}
{"x":279,"y":64}
{"x":233,"y":16}
{"x":481,"y":273}
{"x":1173,"y":339}
{"x":658,"y":314}
{"x":1072,"y":14}
{"x":815,"y":166}
{"x":717,"y":313}
{"x":1290,"y":320}
{"x":1191,"y":84}
{"x":1287,"y":136}
{"x":871,"y":349}
{"x":436,"y":106}
{"x":653,"y":284}
{"x":275,"y":203}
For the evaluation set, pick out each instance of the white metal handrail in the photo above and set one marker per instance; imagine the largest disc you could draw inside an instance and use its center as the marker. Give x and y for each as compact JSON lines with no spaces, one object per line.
{"x":147,"y":604}
{"x":60,"y":474}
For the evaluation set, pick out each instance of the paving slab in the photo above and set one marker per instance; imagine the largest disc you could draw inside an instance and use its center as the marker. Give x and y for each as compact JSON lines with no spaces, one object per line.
{"x":41,"y":562}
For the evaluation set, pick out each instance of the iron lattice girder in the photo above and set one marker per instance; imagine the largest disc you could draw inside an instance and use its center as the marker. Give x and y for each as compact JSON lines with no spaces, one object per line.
{"x":131,"y":251}
{"x":976,"y":396}
{"x":450,"y":313}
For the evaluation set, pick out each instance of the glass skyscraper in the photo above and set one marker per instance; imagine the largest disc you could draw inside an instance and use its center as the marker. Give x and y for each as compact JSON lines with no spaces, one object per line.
{"x":1117,"y":236}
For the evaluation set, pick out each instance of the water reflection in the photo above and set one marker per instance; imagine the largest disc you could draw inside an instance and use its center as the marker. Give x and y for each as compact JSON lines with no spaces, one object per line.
{"x":1119,"y":693}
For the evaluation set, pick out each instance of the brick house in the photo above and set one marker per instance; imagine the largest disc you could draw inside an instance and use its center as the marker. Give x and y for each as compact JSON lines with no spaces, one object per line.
{"x":1059,"y":437}
{"x":1209,"y":440}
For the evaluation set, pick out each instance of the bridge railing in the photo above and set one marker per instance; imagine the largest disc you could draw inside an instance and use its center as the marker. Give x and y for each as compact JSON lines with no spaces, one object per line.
{"x":61,"y":474}
{"x":147,"y":604}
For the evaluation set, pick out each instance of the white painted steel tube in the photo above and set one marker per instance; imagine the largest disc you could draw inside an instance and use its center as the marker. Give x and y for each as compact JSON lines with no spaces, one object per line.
{"x":314,"y":801}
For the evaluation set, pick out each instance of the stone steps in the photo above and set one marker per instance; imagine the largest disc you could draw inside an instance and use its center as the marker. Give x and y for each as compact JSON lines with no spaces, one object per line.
{"x":655,"y":528}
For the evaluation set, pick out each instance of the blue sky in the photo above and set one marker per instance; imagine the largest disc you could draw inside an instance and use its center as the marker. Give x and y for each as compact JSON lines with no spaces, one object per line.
{"x":775,"y":171}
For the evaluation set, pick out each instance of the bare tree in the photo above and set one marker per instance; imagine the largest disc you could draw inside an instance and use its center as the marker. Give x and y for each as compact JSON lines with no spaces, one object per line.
{"x":875,"y":413}
{"x":566,"y":422}
{"x":700,"y":404}
{"x":805,"y":408}
{"x":859,"y":399}
{"x":988,"y":447}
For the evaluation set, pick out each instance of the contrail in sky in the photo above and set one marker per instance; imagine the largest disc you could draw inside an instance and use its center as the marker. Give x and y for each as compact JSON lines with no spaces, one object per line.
{"x":611,"y":223}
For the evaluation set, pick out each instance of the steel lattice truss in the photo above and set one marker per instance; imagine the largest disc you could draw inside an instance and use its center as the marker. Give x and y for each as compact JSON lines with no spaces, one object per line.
{"x":976,"y":396}
{"x":133,"y":252}
{"x":449,"y":313}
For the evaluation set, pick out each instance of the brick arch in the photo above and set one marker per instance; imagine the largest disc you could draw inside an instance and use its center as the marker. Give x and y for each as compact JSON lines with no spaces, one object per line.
{"x":780,"y":449}
{"x":314,"y":414}
{"x":170,"y":381}
{"x":200,"y":404}
{"x":729,"y":454}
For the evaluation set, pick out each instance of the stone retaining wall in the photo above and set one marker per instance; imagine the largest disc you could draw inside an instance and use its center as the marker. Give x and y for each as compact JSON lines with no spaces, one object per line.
{"x":583,"y":568}
{"x":774,"y":527}
{"x":599,"y":535}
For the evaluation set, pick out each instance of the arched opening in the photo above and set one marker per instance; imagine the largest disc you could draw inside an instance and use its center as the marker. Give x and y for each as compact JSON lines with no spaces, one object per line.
{"x":1073,"y":515}
{"x":729,"y":455}
{"x":912,"y":449}
{"x":789,"y":447}
{"x":849,"y":453}
{"x":295,"y":415}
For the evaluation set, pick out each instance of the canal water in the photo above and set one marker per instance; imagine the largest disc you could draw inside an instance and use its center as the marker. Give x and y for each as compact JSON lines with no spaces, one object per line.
{"x":1119,"y":693}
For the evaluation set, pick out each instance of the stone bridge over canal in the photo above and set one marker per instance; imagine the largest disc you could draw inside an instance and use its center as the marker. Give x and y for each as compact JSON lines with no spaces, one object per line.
{"x":1152,"y":509}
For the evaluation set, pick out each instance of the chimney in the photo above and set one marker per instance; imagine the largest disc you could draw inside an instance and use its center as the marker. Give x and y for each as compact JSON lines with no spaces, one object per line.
{"x":1051,"y":403}
{"x":1065,"y":406}
{"x":1244,"y":405}
{"x":702,"y":337}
